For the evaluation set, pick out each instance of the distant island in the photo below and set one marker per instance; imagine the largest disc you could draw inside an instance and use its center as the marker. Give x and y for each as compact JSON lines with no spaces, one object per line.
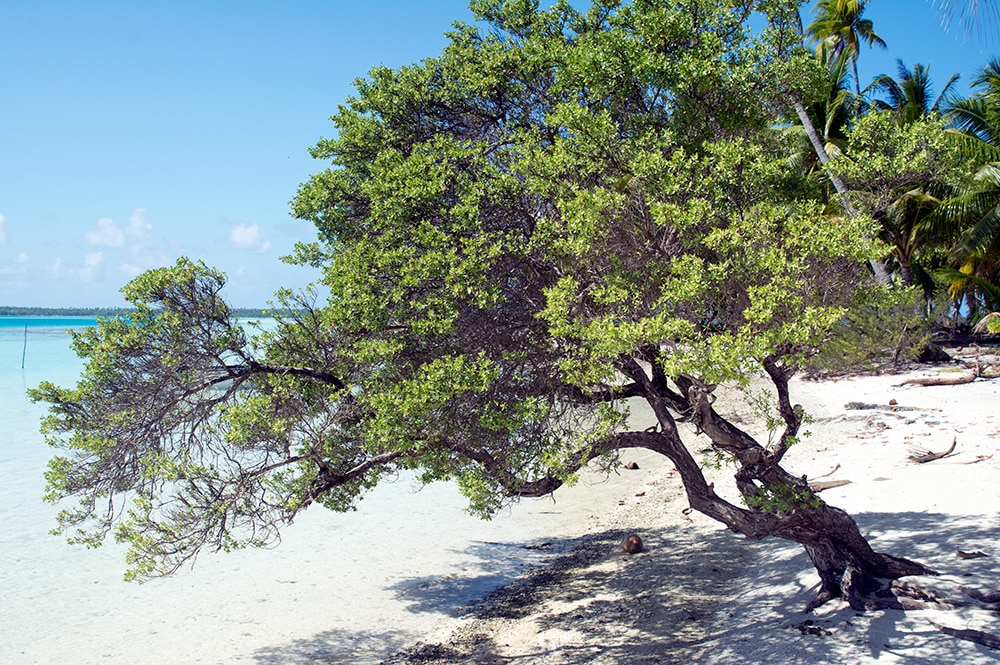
{"x":242,"y":312}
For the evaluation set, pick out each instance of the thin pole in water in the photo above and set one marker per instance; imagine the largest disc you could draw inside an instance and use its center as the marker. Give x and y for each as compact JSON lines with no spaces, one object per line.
{"x":25,"y":348}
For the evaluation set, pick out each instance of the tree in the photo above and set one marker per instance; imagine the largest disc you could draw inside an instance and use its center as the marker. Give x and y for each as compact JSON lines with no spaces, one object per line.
{"x":797,"y":98}
{"x":911,"y":95}
{"x":908,"y":210}
{"x":561,"y":212}
{"x":839,"y":24}
{"x":831,"y":115}
{"x":974,"y":16}
{"x":976,"y":256}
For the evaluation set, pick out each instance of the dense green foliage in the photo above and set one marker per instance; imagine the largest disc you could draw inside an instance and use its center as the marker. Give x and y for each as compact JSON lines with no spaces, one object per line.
{"x":560,"y":212}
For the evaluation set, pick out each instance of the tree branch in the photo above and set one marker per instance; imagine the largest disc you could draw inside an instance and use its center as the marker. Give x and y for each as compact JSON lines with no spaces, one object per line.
{"x":780,"y":374}
{"x":305,"y":372}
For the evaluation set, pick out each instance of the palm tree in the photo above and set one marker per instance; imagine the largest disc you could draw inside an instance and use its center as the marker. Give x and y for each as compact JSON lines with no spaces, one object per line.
{"x":840,"y":25}
{"x":974,"y":15}
{"x":830,"y":117}
{"x":910,"y":95}
{"x":978,"y":117}
{"x":977,"y":254}
{"x":910,"y":228}
{"x":911,"y":223}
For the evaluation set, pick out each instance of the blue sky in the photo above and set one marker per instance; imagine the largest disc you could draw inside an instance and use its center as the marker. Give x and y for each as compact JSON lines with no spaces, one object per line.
{"x":132,"y":132}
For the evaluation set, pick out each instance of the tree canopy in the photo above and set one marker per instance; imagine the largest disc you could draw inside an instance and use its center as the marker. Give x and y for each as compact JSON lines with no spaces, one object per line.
{"x":562,"y":211}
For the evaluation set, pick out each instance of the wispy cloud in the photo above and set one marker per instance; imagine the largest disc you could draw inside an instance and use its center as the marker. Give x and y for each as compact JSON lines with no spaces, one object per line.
{"x":3,"y":230}
{"x":105,"y":234}
{"x":108,"y":234}
{"x":248,"y":237}
{"x":19,"y":267}
{"x":92,"y":269}
{"x":135,"y":240}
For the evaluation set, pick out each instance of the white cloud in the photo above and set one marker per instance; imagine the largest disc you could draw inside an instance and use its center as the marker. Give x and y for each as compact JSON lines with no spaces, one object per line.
{"x":248,"y":237}
{"x":138,"y":226}
{"x":19,"y":267}
{"x":92,"y":269}
{"x":134,"y":238}
{"x":105,"y":234}
{"x":55,"y":268}
{"x":3,"y":230}
{"x":108,"y":234}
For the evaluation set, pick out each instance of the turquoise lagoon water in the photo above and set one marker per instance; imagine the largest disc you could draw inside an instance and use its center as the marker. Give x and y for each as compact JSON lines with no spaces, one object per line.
{"x":46,"y":355}
{"x":350,"y":588}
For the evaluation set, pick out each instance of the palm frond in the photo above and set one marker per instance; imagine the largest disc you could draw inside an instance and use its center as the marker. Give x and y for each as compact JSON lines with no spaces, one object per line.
{"x":981,"y":17}
{"x":984,"y":236}
{"x":960,"y":282}
{"x":988,"y":324}
{"x":976,"y":117}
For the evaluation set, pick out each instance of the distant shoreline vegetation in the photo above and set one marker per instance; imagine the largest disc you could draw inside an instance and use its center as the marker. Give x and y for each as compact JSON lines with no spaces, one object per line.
{"x":242,"y":312}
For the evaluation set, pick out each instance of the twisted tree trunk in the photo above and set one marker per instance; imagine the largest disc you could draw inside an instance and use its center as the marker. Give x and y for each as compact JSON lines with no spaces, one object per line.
{"x":778,"y":503}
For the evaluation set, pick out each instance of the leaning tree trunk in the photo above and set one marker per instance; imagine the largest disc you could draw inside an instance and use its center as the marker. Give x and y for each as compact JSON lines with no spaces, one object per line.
{"x":877,"y":267}
{"x":778,"y":503}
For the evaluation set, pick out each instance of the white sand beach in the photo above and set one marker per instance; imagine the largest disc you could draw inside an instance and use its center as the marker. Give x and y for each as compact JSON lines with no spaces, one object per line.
{"x":398,"y":588}
{"x":703,"y":595}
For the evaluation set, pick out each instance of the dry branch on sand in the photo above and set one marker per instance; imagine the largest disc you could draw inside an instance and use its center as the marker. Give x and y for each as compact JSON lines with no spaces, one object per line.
{"x":977,"y":636}
{"x":820,"y":485}
{"x":921,"y":456}
{"x":941,"y":379}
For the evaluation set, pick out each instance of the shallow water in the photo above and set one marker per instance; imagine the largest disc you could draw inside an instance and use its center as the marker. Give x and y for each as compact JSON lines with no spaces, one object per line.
{"x":351,"y":588}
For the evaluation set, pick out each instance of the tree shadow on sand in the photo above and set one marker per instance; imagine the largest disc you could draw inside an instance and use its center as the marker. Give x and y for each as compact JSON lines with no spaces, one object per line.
{"x":336,"y":647}
{"x":714,"y":598}
{"x":692,"y":595}
{"x":781,"y":583}
{"x":449,"y":593}
{"x":495,"y":564}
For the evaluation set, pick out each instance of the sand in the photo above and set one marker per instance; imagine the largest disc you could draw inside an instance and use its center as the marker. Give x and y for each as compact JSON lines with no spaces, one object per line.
{"x":356,"y":591}
{"x":700,"y":594}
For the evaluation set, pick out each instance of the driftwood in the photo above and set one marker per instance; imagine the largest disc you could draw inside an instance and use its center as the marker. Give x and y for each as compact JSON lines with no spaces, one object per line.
{"x":950,"y":379}
{"x":923,"y":457}
{"x":828,"y":473}
{"x":972,"y":555}
{"x":817,"y":485}
{"x":820,"y":485}
{"x":977,"y":636}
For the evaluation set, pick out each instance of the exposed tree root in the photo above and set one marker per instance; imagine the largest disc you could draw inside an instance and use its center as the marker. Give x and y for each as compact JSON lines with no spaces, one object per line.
{"x":859,"y":591}
{"x":981,"y":596}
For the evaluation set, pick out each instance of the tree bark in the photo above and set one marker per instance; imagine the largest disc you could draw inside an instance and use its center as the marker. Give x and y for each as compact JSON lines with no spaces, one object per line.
{"x":847,"y":565}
